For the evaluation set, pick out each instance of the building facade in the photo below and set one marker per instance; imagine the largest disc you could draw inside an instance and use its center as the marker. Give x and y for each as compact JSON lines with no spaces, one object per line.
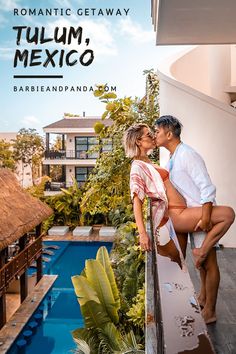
{"x":78,"y":152}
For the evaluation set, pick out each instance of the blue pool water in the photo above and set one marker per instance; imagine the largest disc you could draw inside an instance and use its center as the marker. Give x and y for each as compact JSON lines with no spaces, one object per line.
{"x":60,"y":309}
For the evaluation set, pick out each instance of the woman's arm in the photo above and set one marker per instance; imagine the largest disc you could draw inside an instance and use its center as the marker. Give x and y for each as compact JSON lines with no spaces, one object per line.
{"x":144,"y":239}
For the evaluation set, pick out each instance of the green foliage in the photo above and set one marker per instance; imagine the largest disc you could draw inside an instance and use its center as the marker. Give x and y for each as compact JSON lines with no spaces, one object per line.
{"x":66,"y":205}
{"x":97,"y":285}
{"x":103,"y":258}
{"x":137,"y":310}
{"x":98,"y":296}
{"x":6,"y":155}
{"x":28,"y":147}
{"x":82,"y":347}
{"x":107,"y":189}
{"x":118,"y":217}
{"x":98,"y":126}
{"x":38,"y":190}
{"x":128,"y":264}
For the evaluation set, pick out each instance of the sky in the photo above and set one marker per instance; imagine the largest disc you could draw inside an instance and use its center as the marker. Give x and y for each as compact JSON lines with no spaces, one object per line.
{"x":123,"y":45}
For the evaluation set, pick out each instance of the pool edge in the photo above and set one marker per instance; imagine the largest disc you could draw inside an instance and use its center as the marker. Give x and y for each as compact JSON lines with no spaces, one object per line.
{"x":14,"y":326}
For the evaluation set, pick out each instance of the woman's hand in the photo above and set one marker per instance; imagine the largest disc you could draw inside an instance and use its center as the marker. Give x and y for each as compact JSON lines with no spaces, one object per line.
{"x":144,"y":242}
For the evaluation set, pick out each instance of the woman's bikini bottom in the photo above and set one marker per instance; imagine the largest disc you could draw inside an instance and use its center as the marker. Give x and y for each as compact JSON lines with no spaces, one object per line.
{"x":182,"y":207}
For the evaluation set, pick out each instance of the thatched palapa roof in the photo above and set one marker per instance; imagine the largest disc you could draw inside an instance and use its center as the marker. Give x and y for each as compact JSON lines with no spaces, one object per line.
{"x":19,"y":211}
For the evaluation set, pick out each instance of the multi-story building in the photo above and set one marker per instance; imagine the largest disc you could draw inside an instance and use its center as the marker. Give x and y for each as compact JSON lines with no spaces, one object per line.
{"x":77,"y":155}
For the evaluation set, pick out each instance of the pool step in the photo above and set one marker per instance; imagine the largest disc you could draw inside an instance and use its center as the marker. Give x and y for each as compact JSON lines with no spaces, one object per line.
{"x":107,"y":231}
{"x":82,"y":231}
{"x":58,"y":230}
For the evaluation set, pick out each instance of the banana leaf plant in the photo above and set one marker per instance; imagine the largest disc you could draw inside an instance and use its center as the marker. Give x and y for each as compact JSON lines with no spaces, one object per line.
{"x":99,"y":300}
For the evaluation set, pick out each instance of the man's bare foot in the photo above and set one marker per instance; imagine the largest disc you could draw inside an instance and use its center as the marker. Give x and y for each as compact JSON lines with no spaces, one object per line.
{"x":199,"y":257}
{"x":209,"y":316}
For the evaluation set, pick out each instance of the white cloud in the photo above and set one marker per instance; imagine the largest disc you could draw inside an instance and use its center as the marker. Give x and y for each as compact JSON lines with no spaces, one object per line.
{"x":8,"y":5}
{"x":100,"y":34}
{"x":66,"y":3}
{"x":6,"y":53}
{"x":134,"y":31}
{"x":98,"y":31}
{"x":30,"y":121}
{"x":2,"y":20}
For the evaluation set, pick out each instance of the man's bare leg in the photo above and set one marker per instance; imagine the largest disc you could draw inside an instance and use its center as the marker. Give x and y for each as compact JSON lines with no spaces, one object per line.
{"x":212,"y":280}
{"x":202,"y":292}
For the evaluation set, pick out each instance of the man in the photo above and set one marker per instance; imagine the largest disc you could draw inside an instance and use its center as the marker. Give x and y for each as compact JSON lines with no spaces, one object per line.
{"x":189,"y":175}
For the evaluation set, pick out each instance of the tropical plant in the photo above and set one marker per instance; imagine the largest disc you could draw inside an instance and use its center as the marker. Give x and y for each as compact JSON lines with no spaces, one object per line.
{"x":107,"y":189}
{"x":6,"y":155}
{"x":82,"y":347}
{"x":29,"y":147}
{"x":137,"y":310}
{"x":66,"y":205}
{"x":38,"y":189}
{"x":128,"y":264}
{"x":99,"y":300}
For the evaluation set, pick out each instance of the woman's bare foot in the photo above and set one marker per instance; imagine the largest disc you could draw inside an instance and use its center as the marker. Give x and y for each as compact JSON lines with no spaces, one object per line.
{"x":199,"y":257}
{"x":209,"y":316}
{"x":201,"y":301}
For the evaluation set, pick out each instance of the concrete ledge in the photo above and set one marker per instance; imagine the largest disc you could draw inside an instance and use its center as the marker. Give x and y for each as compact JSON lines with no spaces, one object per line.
{"x":107,"y":231}
{"x":58,"y":230}
{"x":82,"y":231}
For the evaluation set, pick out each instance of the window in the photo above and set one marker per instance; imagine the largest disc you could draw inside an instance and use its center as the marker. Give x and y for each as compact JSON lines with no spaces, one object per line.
{"x":83,"y":144}
{"x":81,"y":174}
{"x":107,"y":145}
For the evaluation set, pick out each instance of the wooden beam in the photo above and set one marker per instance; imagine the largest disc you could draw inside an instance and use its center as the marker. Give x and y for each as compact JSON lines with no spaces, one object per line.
{"x":3,"y":310}
{"x":23,"y":277}
{"x":39,"y":261}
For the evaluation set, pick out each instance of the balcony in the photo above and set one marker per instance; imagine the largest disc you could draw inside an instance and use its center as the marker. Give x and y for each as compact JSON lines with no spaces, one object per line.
{"x":70,"y":154}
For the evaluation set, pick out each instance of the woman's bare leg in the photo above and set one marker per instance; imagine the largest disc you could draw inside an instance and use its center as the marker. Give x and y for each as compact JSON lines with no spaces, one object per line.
{"x":186,"y":220}
{"x":183,"y":239}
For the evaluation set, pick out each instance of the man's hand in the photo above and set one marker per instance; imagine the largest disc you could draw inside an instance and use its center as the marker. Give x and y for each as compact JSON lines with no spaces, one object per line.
{"x":204,"y":225}
{"x":144,"y":242}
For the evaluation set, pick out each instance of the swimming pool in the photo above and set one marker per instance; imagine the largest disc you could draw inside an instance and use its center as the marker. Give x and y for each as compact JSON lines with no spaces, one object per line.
{"x":60,"y":311}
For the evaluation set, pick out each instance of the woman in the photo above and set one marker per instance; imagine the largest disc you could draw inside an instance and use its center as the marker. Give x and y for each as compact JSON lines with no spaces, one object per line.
{"x":152,"y":180}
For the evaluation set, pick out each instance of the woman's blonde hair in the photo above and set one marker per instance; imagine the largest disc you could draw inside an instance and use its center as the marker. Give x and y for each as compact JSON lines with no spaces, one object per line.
{"x":131,"y":135}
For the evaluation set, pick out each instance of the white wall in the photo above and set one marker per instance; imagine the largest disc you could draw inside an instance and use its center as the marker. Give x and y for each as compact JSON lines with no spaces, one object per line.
{"x":233,"y":66}
{"x":70,"y":173}
{"x":209,"y":129}
{"x":206,"y":69}
{"x":192,"y":89}
{"x":184,"y":69}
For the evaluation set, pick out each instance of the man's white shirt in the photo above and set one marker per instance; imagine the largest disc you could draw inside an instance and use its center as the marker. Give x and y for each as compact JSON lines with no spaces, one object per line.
{"x":189,"y":175}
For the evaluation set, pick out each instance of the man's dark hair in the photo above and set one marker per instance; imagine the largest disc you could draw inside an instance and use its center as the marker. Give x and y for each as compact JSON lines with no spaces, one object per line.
{"x":171,"y":123}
